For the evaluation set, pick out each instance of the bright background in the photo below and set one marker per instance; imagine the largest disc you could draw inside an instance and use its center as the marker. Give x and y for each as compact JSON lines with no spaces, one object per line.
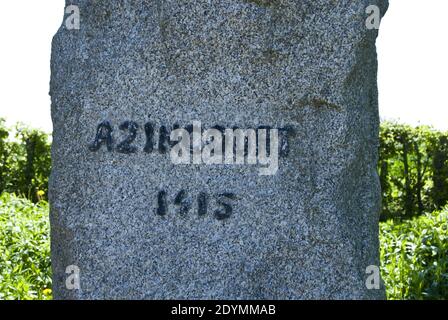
{"x":412,"y":48}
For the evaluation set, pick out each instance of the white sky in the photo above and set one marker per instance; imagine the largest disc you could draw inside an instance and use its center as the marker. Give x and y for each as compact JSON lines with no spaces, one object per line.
{"x":412,"y":47}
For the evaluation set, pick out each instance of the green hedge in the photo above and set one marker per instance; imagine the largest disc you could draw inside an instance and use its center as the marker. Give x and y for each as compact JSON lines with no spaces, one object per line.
{"x":413,"y":169}
{"x":25,"y":161}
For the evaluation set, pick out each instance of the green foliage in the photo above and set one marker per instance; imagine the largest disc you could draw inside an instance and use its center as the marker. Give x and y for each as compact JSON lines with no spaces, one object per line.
{"x":414,"y":257}
{"x":24,"y":249}
{"x":414,"y":253}
{"x":413,"y":170}
{"x":4,"y":155}
{"x":25,"y":162}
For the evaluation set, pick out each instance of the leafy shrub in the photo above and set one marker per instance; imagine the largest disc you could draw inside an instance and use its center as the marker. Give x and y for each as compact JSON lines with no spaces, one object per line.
{"x":414,"y":257}
{"x":413,"y":168}
{"x":24,"y":249}
{"x":25,"y":161}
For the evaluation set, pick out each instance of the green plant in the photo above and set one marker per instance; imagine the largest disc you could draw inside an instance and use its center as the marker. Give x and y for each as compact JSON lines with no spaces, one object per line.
{"x":24,"y":249}
{"x":25,"y":161}
{"x":414,"y":257}
{"x":413,"y":169}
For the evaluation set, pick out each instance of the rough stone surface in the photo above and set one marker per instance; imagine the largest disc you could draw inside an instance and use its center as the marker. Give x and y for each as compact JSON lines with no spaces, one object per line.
{"x":307,"y":232}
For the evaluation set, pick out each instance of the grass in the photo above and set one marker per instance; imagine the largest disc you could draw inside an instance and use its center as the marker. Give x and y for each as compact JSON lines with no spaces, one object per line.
{"x":414,"y":257}
{"x":24,"y":249}
{"x":414,"y":253}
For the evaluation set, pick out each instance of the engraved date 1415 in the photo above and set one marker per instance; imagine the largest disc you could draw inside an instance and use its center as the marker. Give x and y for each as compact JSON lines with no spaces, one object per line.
{"x":184,"y":204}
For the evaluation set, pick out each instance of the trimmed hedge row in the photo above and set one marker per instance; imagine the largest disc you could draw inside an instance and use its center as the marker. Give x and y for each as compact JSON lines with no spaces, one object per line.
{"x":25,"y":161}
{"x":413,"y":169}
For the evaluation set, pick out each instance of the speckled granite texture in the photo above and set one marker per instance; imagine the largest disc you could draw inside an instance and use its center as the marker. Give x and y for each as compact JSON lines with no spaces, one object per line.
{"x":140,"y":227}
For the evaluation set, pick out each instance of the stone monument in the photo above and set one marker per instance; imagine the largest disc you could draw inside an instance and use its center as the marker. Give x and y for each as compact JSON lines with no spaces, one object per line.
{"x":221,"y":149}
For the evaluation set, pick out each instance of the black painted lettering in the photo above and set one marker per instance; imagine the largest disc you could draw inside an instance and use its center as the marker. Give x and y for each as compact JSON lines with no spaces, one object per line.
{"x":103,"y":136}
{"x":226,"y":209}
{"x":164,"y":139}
{"x":126,"y":145}
{"x":162,"y":206}
{"x":149,"y":133}
{"x":202,"y":204}
{"x":182,"y":201}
